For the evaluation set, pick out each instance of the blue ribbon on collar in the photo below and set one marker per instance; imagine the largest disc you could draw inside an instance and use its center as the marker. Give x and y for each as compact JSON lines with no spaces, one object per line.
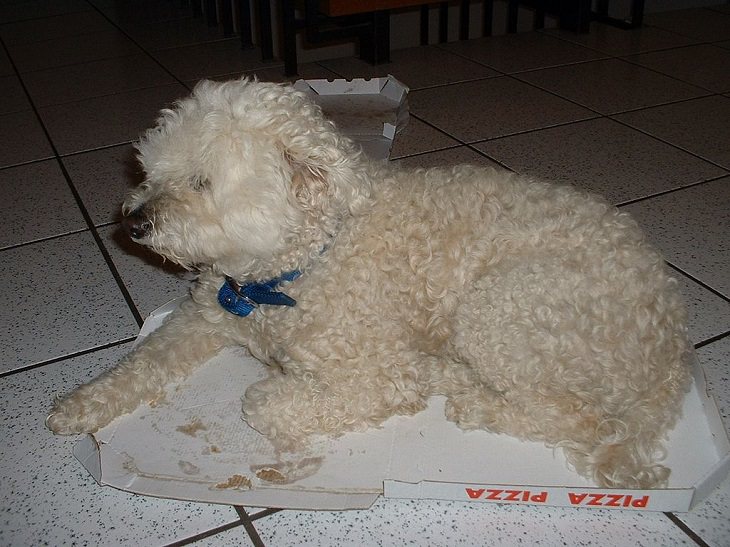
{"x":243,"y":299}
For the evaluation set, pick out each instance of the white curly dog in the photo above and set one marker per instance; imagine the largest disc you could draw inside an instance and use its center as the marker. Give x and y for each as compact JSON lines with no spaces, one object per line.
{"x":538,"y":311}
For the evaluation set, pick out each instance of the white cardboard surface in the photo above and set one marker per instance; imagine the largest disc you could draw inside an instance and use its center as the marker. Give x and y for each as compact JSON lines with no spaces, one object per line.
{"x":368,"y":111}
{"x":193,"y":444}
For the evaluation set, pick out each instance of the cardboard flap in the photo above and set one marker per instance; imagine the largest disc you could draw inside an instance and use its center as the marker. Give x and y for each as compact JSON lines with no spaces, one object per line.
{"x":87,"y":452}
{"x":555,"y":496}
{"x":157,"y":317}
{"x":370,"y":112}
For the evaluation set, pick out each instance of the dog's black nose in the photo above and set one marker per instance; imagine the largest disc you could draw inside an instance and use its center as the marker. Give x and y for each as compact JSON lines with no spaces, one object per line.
{"x":137,"y":224}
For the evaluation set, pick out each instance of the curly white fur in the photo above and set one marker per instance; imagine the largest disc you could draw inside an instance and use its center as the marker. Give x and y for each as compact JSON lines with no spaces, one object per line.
{"x":537,"y":310}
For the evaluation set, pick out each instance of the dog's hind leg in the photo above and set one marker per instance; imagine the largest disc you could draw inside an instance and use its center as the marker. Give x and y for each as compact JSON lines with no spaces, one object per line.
{"x":615,"y":452}
{"x":618,"y":457}
{"x":184,"y":341}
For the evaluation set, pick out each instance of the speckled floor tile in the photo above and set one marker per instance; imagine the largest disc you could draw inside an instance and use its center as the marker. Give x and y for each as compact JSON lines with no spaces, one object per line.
{"x":230,"y":538}
{"x":211,"y":59}
{"x":14,"y":97}
{"x":6,"y":68}
{"x":94,"y":79}
{"x":706,"y":65}
{"x":450,"y":156}
{"x":690,"y":227}
{"x":418,"y":137}
{"x":23,"y":10}
{"x":523,"y":51}
{"x":616,"y":41}
{"x":699,"y":126}
{"x":56,"y":26}
{"x":131,"y":13}
{"x":70,"y":50}
{"x":176,"y":32}
{"x":611,"y":85}
{"x":103,"y":178}
{"x":601,"y":156}
{"x":416,"y":67}
{"x":710,"y":519}
{"x":150,"y":280}
{"x":703,"y":24}
{"x":22,"y":139}
{"x":708,"y":313}
{"x":715,"y":359}
{"x":109,"y":120}
{"x":59,"y":297}
{"x":439,"y":523}
{"x":491,"y":108}
{"x":50,"y":499}
{"x":37,"y":204}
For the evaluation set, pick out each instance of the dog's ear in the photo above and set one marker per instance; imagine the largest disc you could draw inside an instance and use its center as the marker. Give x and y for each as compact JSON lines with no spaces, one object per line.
{"x":309,"y":183}
{"x":327,"y":171}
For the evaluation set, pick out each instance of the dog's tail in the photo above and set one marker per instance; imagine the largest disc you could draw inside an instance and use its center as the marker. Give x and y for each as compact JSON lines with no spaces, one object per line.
{"x":620,"y":456}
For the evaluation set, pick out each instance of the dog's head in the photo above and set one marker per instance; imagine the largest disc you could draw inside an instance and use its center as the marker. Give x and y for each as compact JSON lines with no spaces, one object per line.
{"x":244,"y":177}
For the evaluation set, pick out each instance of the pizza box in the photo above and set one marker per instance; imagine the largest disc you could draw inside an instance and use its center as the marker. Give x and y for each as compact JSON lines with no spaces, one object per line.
{"x":193,"y":444}
{"x":369,"y":111}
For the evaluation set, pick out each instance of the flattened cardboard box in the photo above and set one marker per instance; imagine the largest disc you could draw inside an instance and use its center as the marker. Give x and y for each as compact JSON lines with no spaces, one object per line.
{"x":193,"y":444}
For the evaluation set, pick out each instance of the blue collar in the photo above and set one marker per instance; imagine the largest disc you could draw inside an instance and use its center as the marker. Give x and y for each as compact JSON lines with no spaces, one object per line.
{"x":243,"y":299}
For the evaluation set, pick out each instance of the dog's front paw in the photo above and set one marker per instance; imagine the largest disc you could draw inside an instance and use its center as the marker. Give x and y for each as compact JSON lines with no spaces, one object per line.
{"x":275,"y":417}
{"x":76,"y":414}
{"x":278,"y":432}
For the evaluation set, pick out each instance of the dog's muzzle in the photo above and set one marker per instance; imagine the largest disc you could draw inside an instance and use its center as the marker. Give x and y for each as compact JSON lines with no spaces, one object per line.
{"x":137,"y":224}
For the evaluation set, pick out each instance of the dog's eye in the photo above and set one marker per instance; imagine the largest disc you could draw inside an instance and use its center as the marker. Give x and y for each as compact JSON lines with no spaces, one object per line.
{"x":199,"y":184}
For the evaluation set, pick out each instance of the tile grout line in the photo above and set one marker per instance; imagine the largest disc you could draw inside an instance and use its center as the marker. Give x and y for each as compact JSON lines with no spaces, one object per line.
{"x":207,"y":534}
{"x":58,"y":236}
{"x":460,"y":144}
{"x":264,"y":513}
{"x":695,"y":280}
{"x":673,"y":190}
{"x":249,"y":526}
{"x":77,"y":197}
{"x":712,"y":340}
{"x":507,"y":73}
{"x":42,"y":17}
{"x":662,"y":140}
{"x":679,"y":523}
{"x":23,"y":163}
{"x":618,"y":55}
{"x":73,"y":355}
{"x":44,"y":239}
{"x":137,"y":44}
{"x":627,"y":59}
{"x":74,"y":153}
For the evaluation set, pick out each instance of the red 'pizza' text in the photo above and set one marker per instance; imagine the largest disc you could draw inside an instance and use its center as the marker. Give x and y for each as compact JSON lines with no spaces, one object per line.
{"x":495,"y":494}
{"x":607,"y":500}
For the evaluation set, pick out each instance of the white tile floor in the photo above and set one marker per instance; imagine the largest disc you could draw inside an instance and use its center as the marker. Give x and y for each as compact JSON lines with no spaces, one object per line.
{"x":641,"y":116}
